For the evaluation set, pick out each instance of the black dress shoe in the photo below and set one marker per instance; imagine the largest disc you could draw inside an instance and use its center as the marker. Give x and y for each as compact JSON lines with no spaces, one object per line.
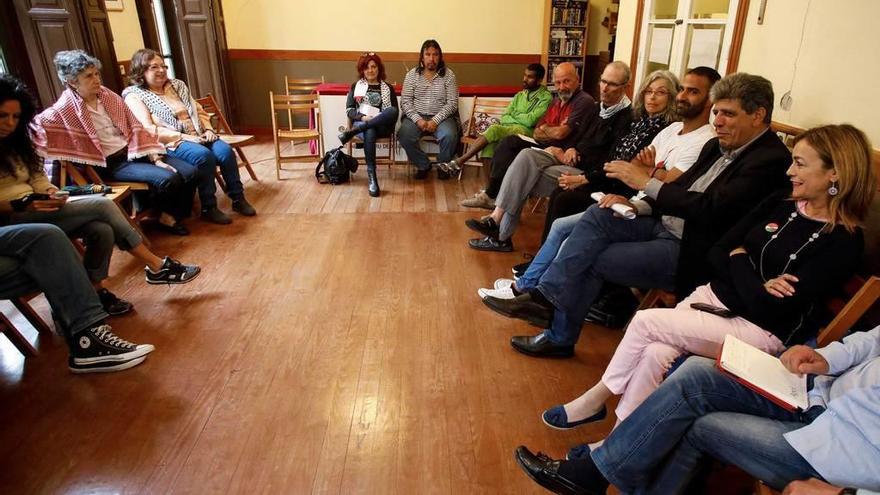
{"x":490,"y":243}
{"x":485,"y":226}
{"x":522,"y":307}
{"x":176,"y":229}
{"x":540,"y":346}
{"x":545,"y":472}
{"x":422,"y":173}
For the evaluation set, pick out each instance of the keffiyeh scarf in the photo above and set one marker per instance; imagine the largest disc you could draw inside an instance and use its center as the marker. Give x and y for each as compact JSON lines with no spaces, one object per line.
{"x":162,"y":111}
{"x":65,"y":130}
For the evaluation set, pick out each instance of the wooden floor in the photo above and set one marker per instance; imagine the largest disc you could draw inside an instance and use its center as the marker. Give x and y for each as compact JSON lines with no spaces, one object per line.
{"x":333,"y":344}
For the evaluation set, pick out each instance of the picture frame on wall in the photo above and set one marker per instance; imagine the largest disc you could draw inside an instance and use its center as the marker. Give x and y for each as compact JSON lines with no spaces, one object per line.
{"x":114,"y":5}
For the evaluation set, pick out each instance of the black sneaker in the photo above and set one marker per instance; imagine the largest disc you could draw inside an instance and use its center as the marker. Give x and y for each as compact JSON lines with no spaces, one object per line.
{"x":113,"y":305}
{"x":243,"y":207}
{"x":172,"y":272}
{"x":442,"y":174}
{"x":214,"y":215}
{"x":489,"y":243}
{"x":485,"y":226}
{"x":422,"y":173}
{"x":99,"y":350}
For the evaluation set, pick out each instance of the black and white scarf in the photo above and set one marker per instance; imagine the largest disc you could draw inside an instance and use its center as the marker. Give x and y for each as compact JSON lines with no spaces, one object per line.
{"x":362,"y":85}
{"x":162,"y":111}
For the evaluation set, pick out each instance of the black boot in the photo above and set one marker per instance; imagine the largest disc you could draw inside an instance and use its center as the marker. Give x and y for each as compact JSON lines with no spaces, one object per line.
{"x":374,"y":182}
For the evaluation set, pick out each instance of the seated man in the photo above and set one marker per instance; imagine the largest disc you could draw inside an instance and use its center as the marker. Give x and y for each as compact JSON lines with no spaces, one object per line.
{"x":560,"y":126}
{"x":700,"y":412}
{"x":744,"y":164}
{"x":672,"y":152}
{"x":519,"y":117}
{"x":40,"y":257}
{"x":429,"y":102}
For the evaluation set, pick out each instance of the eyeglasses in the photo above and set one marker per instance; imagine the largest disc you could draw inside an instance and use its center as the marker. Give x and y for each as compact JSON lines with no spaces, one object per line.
{"x":157,"y":67}
{"x":611,"y":83}
{"x":658,"y":93}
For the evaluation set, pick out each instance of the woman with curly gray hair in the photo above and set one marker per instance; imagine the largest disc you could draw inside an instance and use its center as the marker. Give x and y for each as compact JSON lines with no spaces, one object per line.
{"x":90,"y":124}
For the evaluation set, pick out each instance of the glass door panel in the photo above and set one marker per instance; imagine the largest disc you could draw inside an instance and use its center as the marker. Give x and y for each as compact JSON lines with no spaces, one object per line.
{"x":664,"y":9}
{"x":703,"y":45}
{"x":709,"y":9}
{"x":660,"y":40}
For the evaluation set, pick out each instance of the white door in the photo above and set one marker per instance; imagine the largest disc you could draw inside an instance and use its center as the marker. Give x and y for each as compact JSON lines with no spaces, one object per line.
{"x":678,"y":35}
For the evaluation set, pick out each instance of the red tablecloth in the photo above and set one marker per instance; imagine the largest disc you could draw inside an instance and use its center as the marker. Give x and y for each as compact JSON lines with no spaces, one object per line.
{"x":341,"y":89}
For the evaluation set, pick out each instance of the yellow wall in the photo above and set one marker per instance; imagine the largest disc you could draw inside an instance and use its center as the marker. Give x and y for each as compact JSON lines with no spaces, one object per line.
{"x":462,"y":26}
{"x":598,"y":36}
{"x":834,"y":78}
{"x":126,"y":29}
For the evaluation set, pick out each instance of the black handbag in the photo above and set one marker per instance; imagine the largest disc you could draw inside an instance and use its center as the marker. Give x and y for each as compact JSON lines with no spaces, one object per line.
{"x":336,"y":167}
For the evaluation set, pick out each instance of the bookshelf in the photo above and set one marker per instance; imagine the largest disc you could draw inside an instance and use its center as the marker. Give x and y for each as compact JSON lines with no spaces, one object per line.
{"x":565,"y":35}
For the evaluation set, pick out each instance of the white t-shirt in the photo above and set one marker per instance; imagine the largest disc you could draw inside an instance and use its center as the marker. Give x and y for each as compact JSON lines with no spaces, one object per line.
{"x":111,"y":138}
{"x":680,"y":151}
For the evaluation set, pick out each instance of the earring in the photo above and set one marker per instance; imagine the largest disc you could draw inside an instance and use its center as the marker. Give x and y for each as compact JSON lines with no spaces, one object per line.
{"x":832,"y":191}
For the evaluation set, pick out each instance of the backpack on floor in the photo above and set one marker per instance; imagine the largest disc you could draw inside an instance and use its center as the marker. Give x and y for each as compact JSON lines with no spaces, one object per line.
{"x":337,"y":167}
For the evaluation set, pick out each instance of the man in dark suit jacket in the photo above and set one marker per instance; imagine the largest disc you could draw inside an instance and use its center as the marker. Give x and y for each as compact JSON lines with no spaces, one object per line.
{"x":666,"y":245}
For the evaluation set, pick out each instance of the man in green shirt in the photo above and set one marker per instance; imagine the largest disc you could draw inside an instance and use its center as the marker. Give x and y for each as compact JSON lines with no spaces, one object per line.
{"x":520,"y":117}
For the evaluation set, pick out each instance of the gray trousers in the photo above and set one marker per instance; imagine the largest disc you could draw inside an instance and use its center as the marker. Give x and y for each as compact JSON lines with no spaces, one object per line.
{"x":101,"y":224}
{"x":41,"y":257}
{"x":532,"y":173}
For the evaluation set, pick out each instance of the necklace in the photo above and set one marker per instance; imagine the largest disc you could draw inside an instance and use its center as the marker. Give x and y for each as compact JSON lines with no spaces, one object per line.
{"x":793,"y":256}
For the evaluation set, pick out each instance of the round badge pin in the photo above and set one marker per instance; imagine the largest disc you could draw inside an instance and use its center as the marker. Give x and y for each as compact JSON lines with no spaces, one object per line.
{"x":771,"y":227}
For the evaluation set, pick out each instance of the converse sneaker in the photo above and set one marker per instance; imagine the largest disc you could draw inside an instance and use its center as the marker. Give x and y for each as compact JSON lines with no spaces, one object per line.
{"x":113,"y":306}
{"x":98,"y":349}
{"x":172,"y":272}
{"x":480,"y":200}
{"x":451,"y":167}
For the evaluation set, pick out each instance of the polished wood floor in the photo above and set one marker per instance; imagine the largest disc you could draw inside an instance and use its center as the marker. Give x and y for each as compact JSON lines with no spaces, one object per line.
{"x":333,"y":344}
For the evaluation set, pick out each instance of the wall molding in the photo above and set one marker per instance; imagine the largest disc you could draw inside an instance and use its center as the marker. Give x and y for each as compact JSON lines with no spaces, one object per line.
{"x":348,"y":56}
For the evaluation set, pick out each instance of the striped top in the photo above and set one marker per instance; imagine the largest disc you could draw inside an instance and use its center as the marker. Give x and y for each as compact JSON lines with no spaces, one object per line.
{"x":437,"y":98}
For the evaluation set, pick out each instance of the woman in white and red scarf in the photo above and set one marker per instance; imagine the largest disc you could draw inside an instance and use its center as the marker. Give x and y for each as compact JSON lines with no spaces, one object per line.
{"x":90,"y":124}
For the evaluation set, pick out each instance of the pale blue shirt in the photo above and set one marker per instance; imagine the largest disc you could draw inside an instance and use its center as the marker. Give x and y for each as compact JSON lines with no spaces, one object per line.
{"x":843,"y":443}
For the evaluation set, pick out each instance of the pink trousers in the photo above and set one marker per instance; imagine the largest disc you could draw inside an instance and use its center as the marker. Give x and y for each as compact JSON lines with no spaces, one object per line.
{"x":656,"y":337}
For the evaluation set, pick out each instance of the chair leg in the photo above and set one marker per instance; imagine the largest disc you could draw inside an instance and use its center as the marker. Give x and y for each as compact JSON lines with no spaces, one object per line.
{"x":17,"y":339}
{"x":246,"y":163}
{"x":25,"y":309}
{"x":219,"y":178}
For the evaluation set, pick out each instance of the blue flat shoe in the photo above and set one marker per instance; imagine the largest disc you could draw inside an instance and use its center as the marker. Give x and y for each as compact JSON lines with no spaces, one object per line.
{"x":578,"y":452}
{"x":556,"y":418}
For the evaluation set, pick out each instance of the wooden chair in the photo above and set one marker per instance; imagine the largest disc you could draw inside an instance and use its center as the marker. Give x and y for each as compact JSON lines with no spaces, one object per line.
{"x":293,"y":105}
{"x":302,"y":86}
{"x":485,"y":112}
{"x":22,"y":304}
{"x":224,"y":130}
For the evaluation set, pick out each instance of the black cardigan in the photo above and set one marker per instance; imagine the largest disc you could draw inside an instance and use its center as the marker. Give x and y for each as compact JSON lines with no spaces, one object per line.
{"x":753,"y":175}
{"x":598,"y":140}
{"x":821,"y":266}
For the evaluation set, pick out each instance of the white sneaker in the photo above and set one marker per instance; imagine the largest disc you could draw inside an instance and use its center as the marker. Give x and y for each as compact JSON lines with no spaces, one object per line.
{"x":506,"y":293}
{"x":504,"y":283}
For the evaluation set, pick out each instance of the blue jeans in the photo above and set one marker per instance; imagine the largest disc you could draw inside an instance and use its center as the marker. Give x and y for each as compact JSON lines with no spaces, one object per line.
{"x":206,"y":158}
{"x":559,"y":232}
{"x":100,"y":223}
{"x":380,"y":126}
{"x":173,"y":191}
{"x":697,"y":413}
{"x":447,"y":138}
{"x":634,"y":253}
{"x":40,"y":257}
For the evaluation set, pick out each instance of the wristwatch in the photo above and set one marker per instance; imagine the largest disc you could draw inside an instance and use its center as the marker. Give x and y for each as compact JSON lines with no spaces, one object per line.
{"x":847,"y":491}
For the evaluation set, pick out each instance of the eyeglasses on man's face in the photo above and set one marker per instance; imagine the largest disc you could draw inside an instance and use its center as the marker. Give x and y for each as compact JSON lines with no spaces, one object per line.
{"x":611,"y":83}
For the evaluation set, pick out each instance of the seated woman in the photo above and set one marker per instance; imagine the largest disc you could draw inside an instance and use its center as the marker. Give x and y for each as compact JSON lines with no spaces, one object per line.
{"x":167,"y":110}
{"x":371,"y":107}
{"x":90,"y":124}
{"x":771,"y":271}
{"x":97,"y":220}
{"x":538,"y":172}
